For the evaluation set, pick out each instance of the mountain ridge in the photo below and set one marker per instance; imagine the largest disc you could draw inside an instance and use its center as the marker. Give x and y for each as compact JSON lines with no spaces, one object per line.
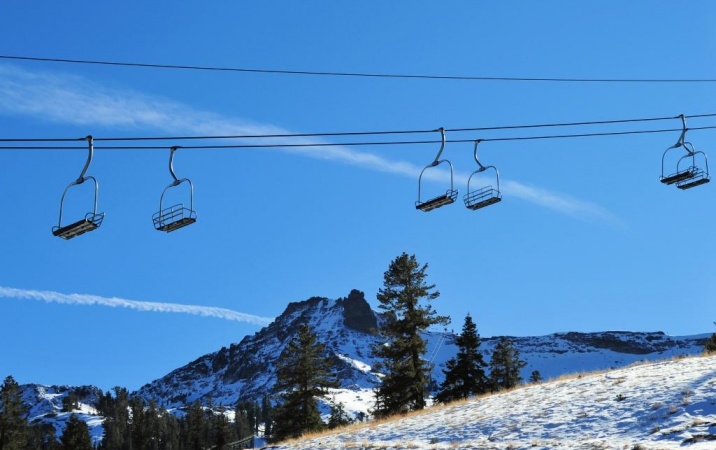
{"x":346,"y":325}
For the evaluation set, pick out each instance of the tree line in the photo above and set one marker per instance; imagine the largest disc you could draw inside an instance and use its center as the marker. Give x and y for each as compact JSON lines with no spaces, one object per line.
{"x":131,"y":424}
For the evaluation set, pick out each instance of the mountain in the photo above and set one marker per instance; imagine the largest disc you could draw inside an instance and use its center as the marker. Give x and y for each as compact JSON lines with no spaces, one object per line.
{"x":246,"y":370}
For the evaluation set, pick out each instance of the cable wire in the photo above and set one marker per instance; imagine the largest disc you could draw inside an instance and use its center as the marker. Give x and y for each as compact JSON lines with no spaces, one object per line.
{"x":355,"y":144}
{"x":362,"y":74}
{"x":363,"y":133}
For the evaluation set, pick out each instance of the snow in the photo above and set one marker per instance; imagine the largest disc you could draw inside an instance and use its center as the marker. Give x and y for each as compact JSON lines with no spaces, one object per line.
{"x":46,"y":406}
{"x":663,"y":405}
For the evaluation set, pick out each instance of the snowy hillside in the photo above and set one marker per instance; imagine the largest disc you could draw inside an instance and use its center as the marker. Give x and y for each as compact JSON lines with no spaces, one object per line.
{"x":46,"y":406}
{"x":664,"y":405}
{"x":246,"y":370}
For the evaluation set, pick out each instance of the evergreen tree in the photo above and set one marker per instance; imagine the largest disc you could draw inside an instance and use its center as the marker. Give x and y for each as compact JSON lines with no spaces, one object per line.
{"x":221,"y":431}
{"x":339,"y":417}
{"x":303,"y":374}
{"x":710,"y":346}
{"x":267,"y":414}
{"x":70,"y":402}
{"x":76,"y":435}
{"x":505,"y":365}
{"x":465,"y":373}
{"x":140,"y":424}
{"x":43,"y":436}
{"x":245,"y":420}
{"x":195,"y":424}
{"x":155,"y":427}
{"x":116,"y":424}
{"x":404,"y":386}
{"x":14,"y":428}
{"x":535,"y":376}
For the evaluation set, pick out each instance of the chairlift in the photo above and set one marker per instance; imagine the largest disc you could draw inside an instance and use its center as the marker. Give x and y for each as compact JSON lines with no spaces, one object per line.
{"x":441,"y":200}
{"x":175,"y":216}
{"x":485,"y":196}
{"x":688,"y":173}
{"x":699,"y":175}
{"x":92,"y":220}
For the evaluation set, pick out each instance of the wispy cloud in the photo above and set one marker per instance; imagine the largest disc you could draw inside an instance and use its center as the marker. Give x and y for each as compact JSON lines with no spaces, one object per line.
{"x":75,"y":100}
{"x":114,"y":302}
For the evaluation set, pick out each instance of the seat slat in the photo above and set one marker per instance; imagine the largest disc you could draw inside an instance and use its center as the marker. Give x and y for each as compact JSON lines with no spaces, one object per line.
{"x":434,"y":203}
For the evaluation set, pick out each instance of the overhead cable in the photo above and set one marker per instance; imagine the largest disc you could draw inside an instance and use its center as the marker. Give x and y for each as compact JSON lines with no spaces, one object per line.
{"x":360,"y":74}
{"x":354,"y":144}
{"x":366,"y":133}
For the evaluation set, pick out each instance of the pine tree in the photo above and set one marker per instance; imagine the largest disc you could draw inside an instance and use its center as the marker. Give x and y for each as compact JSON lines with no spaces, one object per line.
{"x":116,"y":420}
{"x":465,"y":373}
{"x":43,"y":436}
{"x":76,"y":435}
{"x":404,"y":386}
{"x":14,"y":427}
{"x":303,"y":376}
{"x":267,"y":415}
{"x":221,"y":431}
{"x":70,"y":402}
{"x":140,"y":424}
{"x":244,"y":422}
{"x":535,"y":376}
{"x":710,"y":346}
{"x":339,"y":417}
{"x":196,"y":427}
{"x":505,"y":365}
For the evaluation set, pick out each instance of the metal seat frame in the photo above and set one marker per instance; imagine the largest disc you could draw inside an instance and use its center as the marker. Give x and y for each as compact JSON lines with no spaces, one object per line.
{"x":691,"y":176}
{"x":92,"y":220}
{"x":441,"y":200}
{"x":175,"y":216}
{"x":486,"y":195}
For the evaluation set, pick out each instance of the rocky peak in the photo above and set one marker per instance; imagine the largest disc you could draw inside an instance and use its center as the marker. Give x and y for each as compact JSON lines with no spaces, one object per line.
{"x":357,"y":314}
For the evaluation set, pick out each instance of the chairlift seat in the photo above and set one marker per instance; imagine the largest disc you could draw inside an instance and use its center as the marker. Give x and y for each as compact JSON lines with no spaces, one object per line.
{"x":481,"y":198}
{"x":679,"y":176}
{"x":434,"y":203}
{"x":90,"y":222}
{"x":700,"y":177}
{"x":173,"y":218}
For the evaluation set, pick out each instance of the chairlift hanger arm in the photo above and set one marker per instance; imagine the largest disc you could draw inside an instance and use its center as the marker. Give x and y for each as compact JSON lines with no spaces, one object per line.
{"x":477,"y":160}
{"x":436,"y":161}
{"x":171,"y":165}
{"x":684,"y":129}
{"x":90,"y":144}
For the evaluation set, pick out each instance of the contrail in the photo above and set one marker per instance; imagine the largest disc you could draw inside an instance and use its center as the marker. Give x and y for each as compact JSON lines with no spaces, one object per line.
{"x":84,"y":299}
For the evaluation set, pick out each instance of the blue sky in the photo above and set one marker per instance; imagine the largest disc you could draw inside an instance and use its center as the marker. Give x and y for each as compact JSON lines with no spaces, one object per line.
{"x":585,"y":239}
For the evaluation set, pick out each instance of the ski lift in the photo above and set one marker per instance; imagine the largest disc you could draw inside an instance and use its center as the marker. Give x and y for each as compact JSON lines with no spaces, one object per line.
{"x":688,"y":172}
{"x":176,"y":216}
{"x":485,"y":196}
{"x":92,"y":220}
{"x":441,"y":200}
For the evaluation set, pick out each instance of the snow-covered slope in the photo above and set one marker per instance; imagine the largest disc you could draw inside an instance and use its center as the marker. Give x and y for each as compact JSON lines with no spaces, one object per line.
{"x":247,"y":370}
{"x":664,"y":405}
{"x":46,"y":406}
